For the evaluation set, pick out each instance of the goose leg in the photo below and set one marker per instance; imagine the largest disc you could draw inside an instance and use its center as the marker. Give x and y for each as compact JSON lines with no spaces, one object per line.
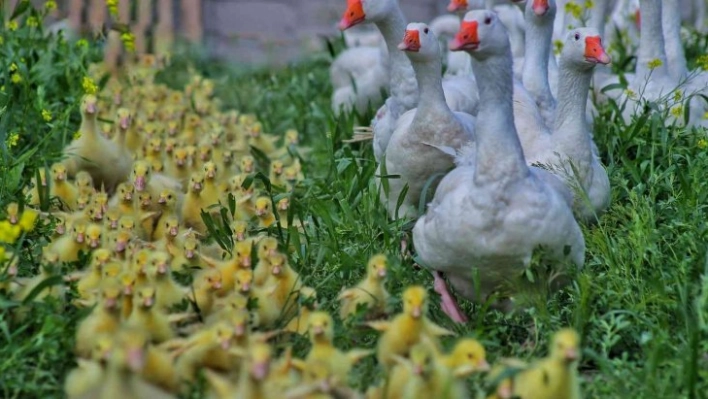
{"x":448,"y":303}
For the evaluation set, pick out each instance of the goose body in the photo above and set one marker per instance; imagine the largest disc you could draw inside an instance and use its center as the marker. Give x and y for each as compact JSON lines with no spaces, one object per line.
{"x":412,"y":152}
{"x":491,"y":212}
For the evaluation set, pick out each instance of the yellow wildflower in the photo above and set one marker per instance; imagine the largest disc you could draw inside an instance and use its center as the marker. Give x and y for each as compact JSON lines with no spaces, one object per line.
{"x":589,"y":4}
{"x":9,"y":232}
{"x":128,"y":41}
{"x":50,"y":5}
{"x":677,"y":111}
{"x":16,"y":78}
{"x":557,"y":46}
{"x":573,"y":9}
{"x":11,"y":25}
{"x":112,"y":7}
{"x":631,"y":94}
{"x":32,"y":21}
{"x":702,"y":62}
{"x":655,"y":63}
{"x":77,"y":135}
{"x":13,"y":67}
{"x":27,"y":220}
{"x":702,"y":143}
{"x":46,"y":115}
{"x":678,"y":95}
{"x":82,"y":43}
{"x":89,"y":85}
{"x":13,"y":139}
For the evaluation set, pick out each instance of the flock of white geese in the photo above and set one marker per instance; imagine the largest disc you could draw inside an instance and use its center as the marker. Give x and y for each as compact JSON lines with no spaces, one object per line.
{"x":504,"y":136}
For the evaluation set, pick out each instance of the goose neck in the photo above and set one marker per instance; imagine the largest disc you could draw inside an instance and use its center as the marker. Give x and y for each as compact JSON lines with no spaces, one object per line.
{"x":499,"y":155}
{"x":392,"y":28}
{"x":597,"y":15}
{"x":651,"y":41}
{"x":671,"y":24}
{"x":428,"y":74}
{"x":570,"y":123}
{"x":538,"y":49}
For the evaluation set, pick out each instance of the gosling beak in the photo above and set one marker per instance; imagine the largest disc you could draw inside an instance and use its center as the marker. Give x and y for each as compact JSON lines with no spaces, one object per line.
{"x":120,"y":246}
{"x":240,"y":236}
{"x":571,"y":354}
{"x":124,"y":122}
{"x":80,"y":238}
{"x":149,"y":301}
{"x":246,"y":261}
{"x":110,"y":303}
{"x":245,"y":287}
{"x":162,"y":268}
{"x":60,"y":229}
{"x":189,"y":254}
{"x":225,"y":344}
{"x":128,"y":290}
{"x":216,"y":285}
{"x":382,"y":273}
{"x":197,"y":186}
{"x":483,"y":365}
{"x":139,"y":183}
{"x":418,"y":369}
{"x":417,"y":312}
{"x":136,"y":359}
{"x":259,"y":371}
{"x":173,"y":231}
{"x":239,"y":330}
{"x":276,"y":270}
{"x":91,"y":108}
{"x":162,"y":200}
{"x":94,"y":243}
{"x":13,"y":219}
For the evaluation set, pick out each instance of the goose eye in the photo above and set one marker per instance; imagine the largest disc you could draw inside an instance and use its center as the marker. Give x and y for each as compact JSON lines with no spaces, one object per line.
{"x":577,"y":36}
{"x":425,"y":31}
{"x":487,"y":20}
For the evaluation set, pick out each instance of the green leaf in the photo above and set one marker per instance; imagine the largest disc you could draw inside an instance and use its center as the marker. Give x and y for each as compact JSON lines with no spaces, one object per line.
{"x":20,"y":8}
{"x":46,"y":283}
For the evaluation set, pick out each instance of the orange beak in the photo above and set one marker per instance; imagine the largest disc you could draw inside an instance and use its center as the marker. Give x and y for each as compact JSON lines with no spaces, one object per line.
{"x":638,"y":19}
{"x":594,"y":52}
{"x":457,"y":5}
{"x":411,"y":41}
{"x":467,"y":38}
{"x":353,"y":15}
{"x":540,"y":7}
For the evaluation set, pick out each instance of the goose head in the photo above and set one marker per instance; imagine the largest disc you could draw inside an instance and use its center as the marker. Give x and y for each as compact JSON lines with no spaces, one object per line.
{"x":540,"y":11}
{"x":359,"y":11}
{"x":583,"y":49}
{"x":419,"y":42}
{"x":481,"y":34}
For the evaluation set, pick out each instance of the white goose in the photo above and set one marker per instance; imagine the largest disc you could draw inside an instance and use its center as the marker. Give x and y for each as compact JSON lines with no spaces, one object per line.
{"x":412,"y":151}
{"x":491,"y":212}
{"x":539,"y":16}
{"x":367,"y":68}
{"x":579,"y":164}
{"x":694,"y":81}
{"x":460,"y":93}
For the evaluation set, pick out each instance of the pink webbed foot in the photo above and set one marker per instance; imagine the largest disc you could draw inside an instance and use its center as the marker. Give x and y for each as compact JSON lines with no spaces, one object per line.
{"x":448,"y":303}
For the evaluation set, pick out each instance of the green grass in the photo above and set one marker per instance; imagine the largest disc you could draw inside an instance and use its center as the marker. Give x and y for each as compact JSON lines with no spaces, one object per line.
{"x":640,"y":303}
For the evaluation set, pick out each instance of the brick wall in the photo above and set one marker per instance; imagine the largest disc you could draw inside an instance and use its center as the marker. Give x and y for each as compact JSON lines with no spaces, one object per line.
{"x":278,"y":31}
